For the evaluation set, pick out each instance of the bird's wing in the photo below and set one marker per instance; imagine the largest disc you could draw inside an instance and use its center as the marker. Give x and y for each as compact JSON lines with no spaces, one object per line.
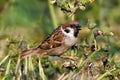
{"x":53,"y":41}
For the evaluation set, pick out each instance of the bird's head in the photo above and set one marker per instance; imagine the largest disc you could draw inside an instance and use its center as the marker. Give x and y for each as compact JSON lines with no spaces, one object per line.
{"x":71,"y":28}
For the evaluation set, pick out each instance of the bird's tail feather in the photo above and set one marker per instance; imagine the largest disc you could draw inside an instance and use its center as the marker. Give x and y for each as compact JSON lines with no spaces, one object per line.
{"x":26,"y":53}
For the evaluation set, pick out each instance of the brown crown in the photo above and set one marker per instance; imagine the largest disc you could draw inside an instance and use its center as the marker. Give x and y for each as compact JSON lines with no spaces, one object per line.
{"x":69,"y":23}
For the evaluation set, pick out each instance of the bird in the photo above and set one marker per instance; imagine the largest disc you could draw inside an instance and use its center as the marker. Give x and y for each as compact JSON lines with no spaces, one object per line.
{"x":58,"y":42}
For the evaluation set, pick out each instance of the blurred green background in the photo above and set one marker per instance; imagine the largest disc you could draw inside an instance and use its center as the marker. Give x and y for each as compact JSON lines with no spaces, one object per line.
{"x":33,"y":20}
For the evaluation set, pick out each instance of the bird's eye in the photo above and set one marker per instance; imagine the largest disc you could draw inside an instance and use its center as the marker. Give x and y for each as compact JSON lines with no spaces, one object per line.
{"x":67,"y":30}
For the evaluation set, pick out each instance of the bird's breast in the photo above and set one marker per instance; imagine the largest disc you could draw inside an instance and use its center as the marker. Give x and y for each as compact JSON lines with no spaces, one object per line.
{"x":70,"y":41}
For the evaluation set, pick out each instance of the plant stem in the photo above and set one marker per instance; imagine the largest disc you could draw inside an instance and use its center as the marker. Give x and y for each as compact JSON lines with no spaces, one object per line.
{"x":26,"y":66}
{"x":105,"y":74}
{"x":52,"y":13}
{"x":41,"y":72}
{"x":17,"y":68}
{"x":73,"y":17}
{"x":7,"y":70}
{"x":63,"y":2}
{"x":4,"y":59}
{"x":95,"y":43}
{"x":31,"y":67}
{"x":88,"y":59}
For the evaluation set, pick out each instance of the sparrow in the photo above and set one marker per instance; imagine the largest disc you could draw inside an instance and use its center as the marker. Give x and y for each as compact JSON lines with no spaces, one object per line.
{"x":58,"y":42}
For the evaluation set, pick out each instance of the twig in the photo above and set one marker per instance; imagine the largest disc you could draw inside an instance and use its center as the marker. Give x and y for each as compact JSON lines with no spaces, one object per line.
{"x":105,"y":74}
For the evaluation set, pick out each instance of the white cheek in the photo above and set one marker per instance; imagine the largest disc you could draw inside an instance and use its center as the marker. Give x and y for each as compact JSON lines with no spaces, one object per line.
{"x":70,"y":34}
{"x":70,"y":38}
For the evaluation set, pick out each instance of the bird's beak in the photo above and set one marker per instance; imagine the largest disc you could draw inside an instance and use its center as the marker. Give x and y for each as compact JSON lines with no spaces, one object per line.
{"x":78,"y":27}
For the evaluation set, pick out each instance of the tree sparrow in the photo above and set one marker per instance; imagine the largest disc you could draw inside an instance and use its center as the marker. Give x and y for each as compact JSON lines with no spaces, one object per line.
{"x":60,"y":40}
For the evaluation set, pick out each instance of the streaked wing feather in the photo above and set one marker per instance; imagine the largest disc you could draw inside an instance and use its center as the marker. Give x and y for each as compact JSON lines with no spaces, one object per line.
{"x":53,"y":41}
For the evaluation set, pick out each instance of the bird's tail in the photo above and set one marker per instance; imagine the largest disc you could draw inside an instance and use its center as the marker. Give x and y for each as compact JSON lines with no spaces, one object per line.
{"x":26,"y":53}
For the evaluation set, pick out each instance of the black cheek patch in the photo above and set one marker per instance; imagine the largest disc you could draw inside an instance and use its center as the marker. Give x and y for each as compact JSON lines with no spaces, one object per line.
{"x":76,"y":33}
